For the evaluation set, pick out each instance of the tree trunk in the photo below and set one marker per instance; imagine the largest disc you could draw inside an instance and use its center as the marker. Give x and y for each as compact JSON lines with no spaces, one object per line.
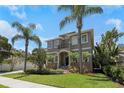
{"x":26,"y":52}
{"x":79,"y":26}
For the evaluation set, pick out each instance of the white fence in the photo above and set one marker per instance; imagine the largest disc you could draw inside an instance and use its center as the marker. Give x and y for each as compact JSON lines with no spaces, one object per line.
{"x":19,"y":66}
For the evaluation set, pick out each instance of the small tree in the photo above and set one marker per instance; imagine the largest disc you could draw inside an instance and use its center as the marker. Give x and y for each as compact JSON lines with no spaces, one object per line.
{"x":14,"y":59}
{"x":38,"y":57}
{"x":50,"y":57}
{"x":5,"y":48}
{"x":74,"y":56}
{"x":86,"y":55}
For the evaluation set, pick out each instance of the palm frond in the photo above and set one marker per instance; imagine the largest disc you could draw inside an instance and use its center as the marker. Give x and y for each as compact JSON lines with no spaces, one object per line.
{"x":32,"y":26}
{"x":36,"y":39}
{"x":92,"y":10}
{"x":120,"y":34}
{"x":17,"y":37}
{"x":79,"y":10}
{"x":18,"y":26}
{"x":65,"y":7}
{"x":66,"y":20}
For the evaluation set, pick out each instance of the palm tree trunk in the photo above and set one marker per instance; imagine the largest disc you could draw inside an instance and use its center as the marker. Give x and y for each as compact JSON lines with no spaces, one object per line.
{"x":79,"y":26}
{"x":26,"y":52}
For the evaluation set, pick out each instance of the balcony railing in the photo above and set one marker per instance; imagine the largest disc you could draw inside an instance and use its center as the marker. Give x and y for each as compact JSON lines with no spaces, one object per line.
{"x":60,"y":46}
{"x":63,"y":46}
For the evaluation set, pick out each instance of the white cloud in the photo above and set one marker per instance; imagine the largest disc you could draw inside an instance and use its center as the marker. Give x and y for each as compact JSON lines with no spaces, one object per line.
{"x":6,"y":29}
{"x":44,"y":39}
{"x":114,"y":21}
{"x":39,"y":27}
{"x":17,"y":11}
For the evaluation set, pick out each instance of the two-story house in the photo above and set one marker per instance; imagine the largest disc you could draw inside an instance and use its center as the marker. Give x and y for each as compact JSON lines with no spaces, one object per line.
{"x":65,"y":43}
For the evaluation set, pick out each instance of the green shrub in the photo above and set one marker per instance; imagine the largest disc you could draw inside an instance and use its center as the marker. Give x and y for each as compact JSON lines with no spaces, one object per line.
{"x":121,"y":77}
{"x":116,"y":73}
{"x":107,"y":70}
{"x":44,"y":71}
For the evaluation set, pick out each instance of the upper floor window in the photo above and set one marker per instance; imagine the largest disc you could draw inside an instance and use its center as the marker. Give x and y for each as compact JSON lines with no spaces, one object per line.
{"x":56,"y":43}
{"x":74,"y":40}
{"x":50,"y":44}
{"x":84,"y":38}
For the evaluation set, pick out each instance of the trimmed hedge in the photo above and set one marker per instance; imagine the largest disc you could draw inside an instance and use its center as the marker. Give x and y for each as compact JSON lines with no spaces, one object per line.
{"x":115,"y":73}
{"x":44,"y":71}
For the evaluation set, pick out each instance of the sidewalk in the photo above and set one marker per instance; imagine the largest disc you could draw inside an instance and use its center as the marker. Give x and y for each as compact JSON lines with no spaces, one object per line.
{"x":14,"y":83}
{"x":4,"y":73}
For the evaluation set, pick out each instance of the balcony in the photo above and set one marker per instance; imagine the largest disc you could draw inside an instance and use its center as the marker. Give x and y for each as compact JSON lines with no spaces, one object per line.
{"x":65,"y":45}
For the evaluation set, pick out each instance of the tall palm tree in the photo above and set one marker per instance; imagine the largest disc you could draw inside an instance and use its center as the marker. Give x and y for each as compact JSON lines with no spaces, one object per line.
{"x":77,"y":13}
{"x":26,"y":34}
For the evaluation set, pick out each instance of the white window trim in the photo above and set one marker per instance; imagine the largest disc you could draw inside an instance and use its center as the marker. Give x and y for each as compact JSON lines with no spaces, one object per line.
{"x":86,"y":38}
{"x":50,"y":46}
{"x":72,"y":40}
{"x":56,"y":45}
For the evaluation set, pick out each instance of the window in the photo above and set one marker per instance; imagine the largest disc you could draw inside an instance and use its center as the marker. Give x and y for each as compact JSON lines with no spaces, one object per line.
{"x":56,"y":43}
{"x":50,"y":44}
{"x":84,"y":38}
{"x":74,"y":40}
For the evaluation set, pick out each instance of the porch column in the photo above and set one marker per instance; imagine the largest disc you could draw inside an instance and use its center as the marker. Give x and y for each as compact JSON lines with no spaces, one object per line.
{"x":69,"y":58}
{"x":58,"y":60}
{"x":69,"y":50}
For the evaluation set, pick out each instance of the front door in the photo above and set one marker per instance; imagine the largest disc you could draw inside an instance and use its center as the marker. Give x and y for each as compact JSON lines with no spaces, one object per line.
{"x":66,"y":61}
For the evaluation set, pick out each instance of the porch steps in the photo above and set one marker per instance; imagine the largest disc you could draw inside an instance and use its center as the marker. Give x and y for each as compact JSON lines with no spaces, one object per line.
{"x":66,"y":72}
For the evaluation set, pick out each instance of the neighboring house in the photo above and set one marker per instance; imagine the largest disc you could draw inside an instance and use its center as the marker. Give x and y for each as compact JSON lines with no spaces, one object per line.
{"x":121,"y":57}
{"x":62,"y":45}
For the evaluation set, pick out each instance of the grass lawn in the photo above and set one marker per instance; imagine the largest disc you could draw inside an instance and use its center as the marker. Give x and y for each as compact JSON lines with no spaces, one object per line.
{"x":69,"y":80}
{"x":2,"y":86}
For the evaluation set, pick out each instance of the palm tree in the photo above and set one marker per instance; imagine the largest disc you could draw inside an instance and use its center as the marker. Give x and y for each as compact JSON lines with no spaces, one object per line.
{"x":26,"y":34}
{"x":77,"y":13}
{"x":107,"y":51}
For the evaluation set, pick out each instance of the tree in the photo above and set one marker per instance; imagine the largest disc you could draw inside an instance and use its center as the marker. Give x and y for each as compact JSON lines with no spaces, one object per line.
{"x":5,"y":48}
{"x":27,"y":35}
{"x":106,"y":52}
{"x":74,"y":56}
{"x":38,"y":57}
{"x":77,"y":13}
{"x":86,"y":55}
{"x":16,"y":55}
{"x":50,"y":57}
{"x":4,"y":45}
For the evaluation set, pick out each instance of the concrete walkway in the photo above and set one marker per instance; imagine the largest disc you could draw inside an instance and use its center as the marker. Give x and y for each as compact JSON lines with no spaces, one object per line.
{"x":14,"y":83}
{"x":13,"y":72}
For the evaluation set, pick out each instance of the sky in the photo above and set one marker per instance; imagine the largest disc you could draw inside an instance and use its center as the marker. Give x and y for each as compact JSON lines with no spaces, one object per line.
{"x":47,"y":20}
